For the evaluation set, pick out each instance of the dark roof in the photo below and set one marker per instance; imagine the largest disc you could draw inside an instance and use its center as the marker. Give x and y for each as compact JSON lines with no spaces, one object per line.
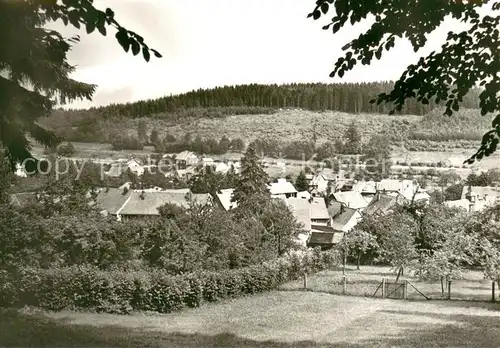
{"x":112,"y":199}
{"x":149,"y":202}
{"x":325,"y":238}
{"x":381,"y":203}
{"x":321,"y":228}
{"x":334,"y":208}
{"x":339,"y":221}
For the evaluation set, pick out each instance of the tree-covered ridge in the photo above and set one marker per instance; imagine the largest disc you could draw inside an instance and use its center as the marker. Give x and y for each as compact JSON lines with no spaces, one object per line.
{"x":345,"y":97}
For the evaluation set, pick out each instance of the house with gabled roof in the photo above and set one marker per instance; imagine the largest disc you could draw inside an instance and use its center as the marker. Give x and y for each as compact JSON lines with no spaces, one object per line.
{"x":481,"y":197}
{"x":142,"y":204}
{"x":319,"y":212}
{"x":221,"y":167}
{"x":135,"y":167}
{"x":383,"y":204}
{"x":324,"y":237}
{"x":368,"y":189}
{"x":186,"y":159}
{"x":319,"y":182}
{"x":351,"y":199}
{"x":282,"y":187}
{"x":111,"y":200}
{"x":485,"y":193}
{"x":345,"y":220}
{"x":393,"y":186}
{"x":304,"y":195}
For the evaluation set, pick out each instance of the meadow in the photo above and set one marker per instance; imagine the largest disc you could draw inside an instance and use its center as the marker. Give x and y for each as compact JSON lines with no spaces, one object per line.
{"x":280,"y":319}
{"x":366,"y":282}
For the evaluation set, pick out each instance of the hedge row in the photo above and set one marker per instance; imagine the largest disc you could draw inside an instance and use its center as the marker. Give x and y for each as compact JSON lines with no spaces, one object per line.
{"x":87,"y":288}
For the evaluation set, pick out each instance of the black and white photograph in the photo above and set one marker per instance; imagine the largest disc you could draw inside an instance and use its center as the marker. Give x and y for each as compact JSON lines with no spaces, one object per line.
{"x":255,"y":174}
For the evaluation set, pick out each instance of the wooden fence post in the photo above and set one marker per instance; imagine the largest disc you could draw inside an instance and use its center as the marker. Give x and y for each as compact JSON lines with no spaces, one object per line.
{"x":305,"y":281}
{"x":383,"y":287}
{"x":449,"y":289}
{"x":344,"y":281}
{"x":493,"y":291}
{"x":405,"y":290}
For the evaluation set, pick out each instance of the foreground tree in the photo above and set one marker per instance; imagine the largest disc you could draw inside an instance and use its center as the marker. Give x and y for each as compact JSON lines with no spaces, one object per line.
{"x":358,"y":243}
{"x":352,"y":145}
{"x":35,"y":68}
{"x":253,"y":179}
{"x":450,"y":257}
{"x":377,"y":157}
{"x":467,"y":59}
{"x":301,"y":182}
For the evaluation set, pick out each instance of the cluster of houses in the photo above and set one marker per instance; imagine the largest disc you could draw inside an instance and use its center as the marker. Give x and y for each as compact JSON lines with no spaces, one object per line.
{"x":323,"y":226}
{"x":182,"y":165}
{"x":476,"y":198}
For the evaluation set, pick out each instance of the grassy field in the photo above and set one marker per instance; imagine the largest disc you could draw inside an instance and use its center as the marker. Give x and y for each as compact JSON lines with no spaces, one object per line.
{"x":281,"y":319}
{"x":366,"y":281}
{"x":284,"y":125}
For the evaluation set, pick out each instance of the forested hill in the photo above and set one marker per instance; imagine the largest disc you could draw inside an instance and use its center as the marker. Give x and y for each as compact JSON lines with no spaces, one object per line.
{"x":256,"y":98}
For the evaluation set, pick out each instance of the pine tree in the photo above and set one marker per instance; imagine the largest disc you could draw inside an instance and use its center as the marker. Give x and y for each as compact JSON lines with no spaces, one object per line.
{"x":301,"y":182}
{"x":253,"y":179}
{"x":154,"y":137}
{"x":32,"y":55}
{"x":142,"y":131}
{"x":377,"y":157}
{"x":353,"y":140}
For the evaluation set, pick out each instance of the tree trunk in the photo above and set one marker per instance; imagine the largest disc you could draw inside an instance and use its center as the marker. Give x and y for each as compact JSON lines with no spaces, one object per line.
{"x":442,"y":287}
{"x":344,"y":263}
{"x":359,"y":260}
{"x":400,"y":272}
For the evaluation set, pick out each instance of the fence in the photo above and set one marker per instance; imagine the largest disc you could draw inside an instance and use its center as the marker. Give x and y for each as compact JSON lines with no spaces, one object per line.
{"x":405,"y":289}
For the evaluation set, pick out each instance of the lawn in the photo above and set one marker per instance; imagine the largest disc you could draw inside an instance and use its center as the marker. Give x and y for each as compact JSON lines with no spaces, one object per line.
{"x":366,"y":281}
{"x":281,"y":319}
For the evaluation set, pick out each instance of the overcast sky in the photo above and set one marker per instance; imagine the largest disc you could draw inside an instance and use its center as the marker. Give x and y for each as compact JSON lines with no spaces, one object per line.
{"x":208,"y":43}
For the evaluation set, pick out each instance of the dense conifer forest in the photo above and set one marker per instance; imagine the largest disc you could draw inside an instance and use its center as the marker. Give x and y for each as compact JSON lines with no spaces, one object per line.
{"x":346,"y":97}
{"x":108,"y":123}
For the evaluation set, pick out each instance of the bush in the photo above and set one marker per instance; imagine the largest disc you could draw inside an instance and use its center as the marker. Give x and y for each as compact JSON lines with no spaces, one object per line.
{"x":66,"y":150}
{"x":126,"y":143}
{"x":123,"y":292}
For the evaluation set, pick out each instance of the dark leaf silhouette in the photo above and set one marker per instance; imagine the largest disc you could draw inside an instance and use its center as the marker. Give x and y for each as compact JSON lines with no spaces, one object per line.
{"x":467,"y":59}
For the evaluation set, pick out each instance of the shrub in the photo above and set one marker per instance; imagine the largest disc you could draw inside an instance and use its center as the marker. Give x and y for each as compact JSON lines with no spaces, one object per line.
{"x":126,"y":143}
{"x":66,"y":150}
{"x":89,"y":288}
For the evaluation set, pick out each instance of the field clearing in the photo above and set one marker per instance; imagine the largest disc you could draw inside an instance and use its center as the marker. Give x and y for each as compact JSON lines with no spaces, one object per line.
{"x":364,"y":282}
{"x":453,"y":156}
{"x":284,"y":125}
{"x":281,"y":319}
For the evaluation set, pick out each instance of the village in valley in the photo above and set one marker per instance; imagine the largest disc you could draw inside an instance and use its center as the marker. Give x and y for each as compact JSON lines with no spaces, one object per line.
{"x":219,"y":174}
{"x":328,"y":205}
{"x":321,"y":209}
